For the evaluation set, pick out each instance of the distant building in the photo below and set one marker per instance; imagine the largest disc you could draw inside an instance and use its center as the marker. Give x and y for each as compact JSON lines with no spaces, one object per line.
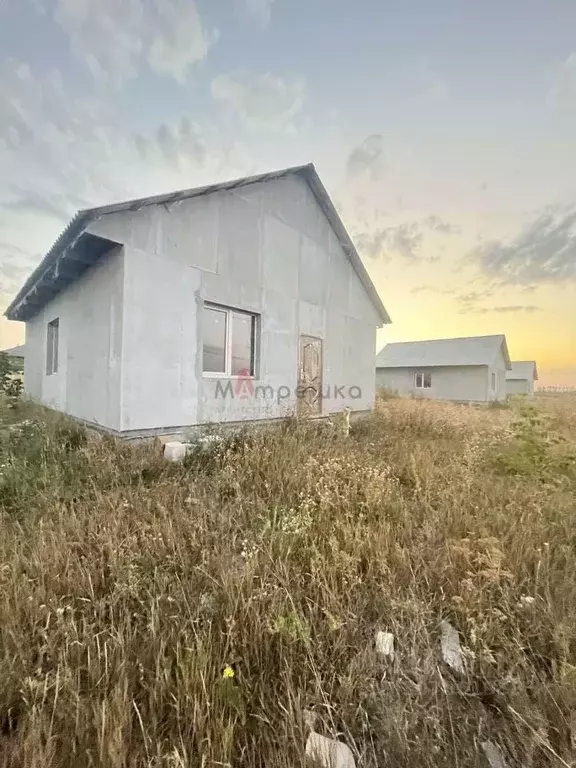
{"x":236,"y":302}
{"x":471,"y":369}
{"x":520,"y":380}
{"x":15,"y":352}
{"x":16,"y":355}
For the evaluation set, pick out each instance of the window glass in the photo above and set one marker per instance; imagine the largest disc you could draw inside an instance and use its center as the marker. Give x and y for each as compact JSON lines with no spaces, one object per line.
{"x":427,"y":380}
{"x":52,"y":347}
{"x":214,"y":346}
{"x":242,"y":344}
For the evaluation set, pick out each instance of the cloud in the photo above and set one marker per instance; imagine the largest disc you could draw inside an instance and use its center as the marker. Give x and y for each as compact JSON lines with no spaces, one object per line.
{"x":437,"y":224}
{"x":403,"y":240}
{"x":262,"y":102}
{"x":544,"y":252}
{"x":111,"y":37}
{"x":504,"y":310}
{"x":35,"y":111}
{"x":12,"y":273}
{"x":106,"y":36}
{"x":179,"y":145}
{"x":261,"y":10}
{"x":367,"y":159}
{"x":180,"y":41}
{"x":473,"y":297}
{"x":38,"y":203}
{"x":562,"y":95}
{"x":433,"y":87}
{"x":441,"y":290}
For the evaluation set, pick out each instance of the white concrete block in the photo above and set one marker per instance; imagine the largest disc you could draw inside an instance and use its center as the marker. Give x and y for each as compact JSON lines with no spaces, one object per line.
{"x":385,"y":644}
{"x":450,"y":644}
{"x":175,"y":451}
{"x":493,"y":754}
{"x":329,"y":753}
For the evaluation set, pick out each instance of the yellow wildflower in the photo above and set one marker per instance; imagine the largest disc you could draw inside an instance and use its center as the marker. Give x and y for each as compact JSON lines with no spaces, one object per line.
{"x":228,"y":673}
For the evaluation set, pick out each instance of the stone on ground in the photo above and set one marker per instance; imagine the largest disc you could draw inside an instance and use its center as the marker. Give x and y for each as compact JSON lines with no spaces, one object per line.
{"x":175,"y":451}
{"x":385,"y":644}
{"x":329,"y":753}
{"x":450,"y":644}
{"x":493,"y":754}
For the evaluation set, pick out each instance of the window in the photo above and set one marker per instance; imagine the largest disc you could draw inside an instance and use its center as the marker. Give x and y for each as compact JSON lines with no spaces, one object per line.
{"x":229,"y":347}
{"x":423,"y":380}
{"x":494,"y":381}
{"x":52,"y":347}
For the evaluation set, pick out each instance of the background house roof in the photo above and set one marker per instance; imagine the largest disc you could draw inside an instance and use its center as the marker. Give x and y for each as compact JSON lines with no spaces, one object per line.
{"x":15,"y":351}
{"x":76,"y":250}
{"x":472,"y":350}
{"x":523,"y":369}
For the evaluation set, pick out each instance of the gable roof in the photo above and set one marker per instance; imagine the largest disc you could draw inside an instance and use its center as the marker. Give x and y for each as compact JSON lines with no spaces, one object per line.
{"x":523,"y":369}
{"x":437,"y":353}
{"x":14,"y":351}
{"x":75,"y":250}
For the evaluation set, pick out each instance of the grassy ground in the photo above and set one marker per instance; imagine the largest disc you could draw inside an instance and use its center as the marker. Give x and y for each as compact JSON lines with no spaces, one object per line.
{"x":128,"y":584}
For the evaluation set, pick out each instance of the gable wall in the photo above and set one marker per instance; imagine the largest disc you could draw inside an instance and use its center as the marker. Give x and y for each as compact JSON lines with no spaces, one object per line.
{"x":266,"y":248}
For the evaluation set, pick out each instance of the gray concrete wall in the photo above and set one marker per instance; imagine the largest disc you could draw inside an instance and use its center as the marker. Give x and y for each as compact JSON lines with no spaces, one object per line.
{"x":265,"y":248}
{"x":458,"y":383}
{"x":87,"y":383}
{"x":519,"y":387}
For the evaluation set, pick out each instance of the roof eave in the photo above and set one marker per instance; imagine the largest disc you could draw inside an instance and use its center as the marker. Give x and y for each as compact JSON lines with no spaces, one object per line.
{"x":55,"y":274}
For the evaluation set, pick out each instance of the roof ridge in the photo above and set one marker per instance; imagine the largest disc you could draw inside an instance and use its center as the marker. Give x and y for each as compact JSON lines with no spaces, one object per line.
{"x":451,"y":338}
{"x":197,"y":191}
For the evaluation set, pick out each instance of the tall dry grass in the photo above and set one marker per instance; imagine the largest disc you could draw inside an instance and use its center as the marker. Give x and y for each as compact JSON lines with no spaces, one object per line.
{"x":128,"y":584}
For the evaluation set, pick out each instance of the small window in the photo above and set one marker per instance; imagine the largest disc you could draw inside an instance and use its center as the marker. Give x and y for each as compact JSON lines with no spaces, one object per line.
{"x":423,"y":380}
{"x":52,"y":347}
{"x":494,"y":381}
{"x":229,"y":342}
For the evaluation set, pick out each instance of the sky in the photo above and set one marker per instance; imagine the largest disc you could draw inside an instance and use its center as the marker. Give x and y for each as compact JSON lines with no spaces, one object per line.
{"x":444,"y":131}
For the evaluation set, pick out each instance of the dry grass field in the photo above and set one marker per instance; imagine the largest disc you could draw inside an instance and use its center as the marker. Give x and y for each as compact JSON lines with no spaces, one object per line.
{"x":165,"y":615}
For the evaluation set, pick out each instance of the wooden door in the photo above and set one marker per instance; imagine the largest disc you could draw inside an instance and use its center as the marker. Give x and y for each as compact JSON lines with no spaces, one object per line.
{"x":310,"y":377}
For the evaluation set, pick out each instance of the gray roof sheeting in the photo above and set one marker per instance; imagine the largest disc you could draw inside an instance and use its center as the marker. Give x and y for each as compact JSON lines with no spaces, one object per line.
{"x":523,"y":369}
{"x":47,"y":273}
{"x":438,"y":353}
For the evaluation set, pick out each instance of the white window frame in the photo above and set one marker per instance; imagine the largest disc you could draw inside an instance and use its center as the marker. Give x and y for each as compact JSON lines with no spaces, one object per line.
{"x":421,"y":376}
{"x":228,"y":348}
{"x":52,"y":346}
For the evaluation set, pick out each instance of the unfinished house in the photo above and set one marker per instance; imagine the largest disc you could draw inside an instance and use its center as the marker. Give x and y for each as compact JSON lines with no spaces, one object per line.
{"x":520,"y":379}
{"x":471,"y":370}
{"x":236,"y":302}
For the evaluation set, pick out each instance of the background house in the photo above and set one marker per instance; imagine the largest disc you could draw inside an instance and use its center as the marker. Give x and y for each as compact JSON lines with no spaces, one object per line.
{"x":16,"y":355}
{"x":207,"y":305}
{"x":469,"y":369}
{"x":520,"y":379}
